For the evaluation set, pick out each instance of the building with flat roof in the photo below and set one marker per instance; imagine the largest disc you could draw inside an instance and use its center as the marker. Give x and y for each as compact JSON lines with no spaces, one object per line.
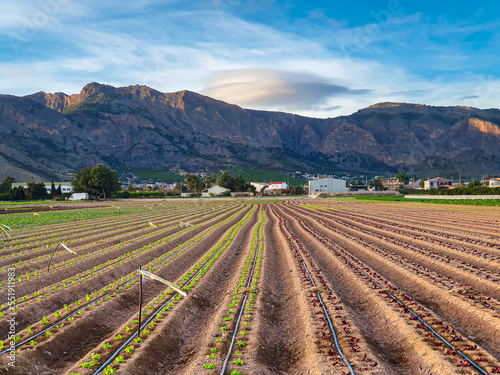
{"x":437,"y":183}
{"x":391,"y":184}
{"x":65,"y":186}
{"x":327,"y":185}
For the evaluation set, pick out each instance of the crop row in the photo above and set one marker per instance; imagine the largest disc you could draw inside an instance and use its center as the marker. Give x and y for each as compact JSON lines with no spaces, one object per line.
{"x":106,"y":292}
{"x":239,"y":310}
{"x":128,"y":340}
{"x":424,"y":318}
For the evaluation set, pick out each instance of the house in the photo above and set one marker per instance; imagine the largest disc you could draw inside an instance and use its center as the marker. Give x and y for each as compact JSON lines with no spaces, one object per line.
{"x":437,"y":183}
{"x":65,"y":186}
{"x":259,"y":186}
{"x":327,"y":185}
{"x":276,"y":188}
{"x":214,"y":191}
{"x":494,"y":182}
{"x":391,"y":184}
{"x":188,"y":193}
{"x":278,"y":185}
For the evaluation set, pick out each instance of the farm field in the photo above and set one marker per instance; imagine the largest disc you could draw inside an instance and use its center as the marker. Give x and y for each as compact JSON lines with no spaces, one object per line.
{"x":297,"y":287}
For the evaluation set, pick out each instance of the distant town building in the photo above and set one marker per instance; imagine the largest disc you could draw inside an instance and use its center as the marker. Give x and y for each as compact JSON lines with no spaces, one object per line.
{"x":276,"y":188}
{"x":437,"y":183}
{"x":391,"y":184}
{"x":494,"y":182}
{"x":358,"y":188}
{"x":278,"y":185}
{"x":65,"y":186}
{"x":327,"y":185}
{"x":259,"y":185}
{"x":214,"y":191}
{"x":188,"y":193}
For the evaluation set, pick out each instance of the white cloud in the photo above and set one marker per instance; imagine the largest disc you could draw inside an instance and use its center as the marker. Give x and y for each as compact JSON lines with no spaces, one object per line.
{"x":213,"y":52}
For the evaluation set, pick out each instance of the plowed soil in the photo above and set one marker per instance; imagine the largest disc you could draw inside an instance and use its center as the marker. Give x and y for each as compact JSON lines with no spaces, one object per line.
{"x":407,"y":289}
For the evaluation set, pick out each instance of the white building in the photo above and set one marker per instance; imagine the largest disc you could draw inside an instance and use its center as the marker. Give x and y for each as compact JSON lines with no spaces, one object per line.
{"x":214,"y":190}
{"x":494,"y":182}
{"x":65,"y":186}
{"x":277,"y":185}
{"x":327,"y":185}
{"x":259,"y":185}
{"x":437,"y":183}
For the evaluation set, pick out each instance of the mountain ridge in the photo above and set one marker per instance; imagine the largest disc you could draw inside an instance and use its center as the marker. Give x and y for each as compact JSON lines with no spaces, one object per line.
{"x":53,"y":135}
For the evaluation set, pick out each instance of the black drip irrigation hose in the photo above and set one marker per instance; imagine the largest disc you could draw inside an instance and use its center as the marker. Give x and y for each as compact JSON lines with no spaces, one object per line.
{"x":234,"y":336}
{"x":447,"y":261}
{"x":233,"y":339}
{"x":89,"y":304}
{"x":475,"y":365}
{"x":487,"y":305}
{"x":110,"y":265}
{"x":110,"y":359}
{"x":330,"y":324}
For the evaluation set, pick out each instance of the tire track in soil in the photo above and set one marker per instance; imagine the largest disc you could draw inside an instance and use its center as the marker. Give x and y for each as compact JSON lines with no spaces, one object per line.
{"x":178,"y":346}
{"x":64,"y":349}
{"x":398,"y":347}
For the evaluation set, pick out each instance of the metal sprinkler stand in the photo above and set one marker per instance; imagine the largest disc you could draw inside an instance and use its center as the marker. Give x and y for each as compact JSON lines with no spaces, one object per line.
{"x":65,"y":247}
{"x":140,"y":301}
{"x":157,"y":278}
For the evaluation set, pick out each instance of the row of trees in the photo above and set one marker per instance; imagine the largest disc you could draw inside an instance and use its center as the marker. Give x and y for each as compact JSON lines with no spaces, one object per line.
{"x":33,"y":191}
{"x":238,"y":183}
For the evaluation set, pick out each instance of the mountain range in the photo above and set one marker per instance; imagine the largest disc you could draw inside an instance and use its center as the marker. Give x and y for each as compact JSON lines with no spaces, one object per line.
{"x":50,"y":136}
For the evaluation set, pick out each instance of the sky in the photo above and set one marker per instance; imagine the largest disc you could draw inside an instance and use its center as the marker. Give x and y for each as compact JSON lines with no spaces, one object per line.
{"x":314,"y":58}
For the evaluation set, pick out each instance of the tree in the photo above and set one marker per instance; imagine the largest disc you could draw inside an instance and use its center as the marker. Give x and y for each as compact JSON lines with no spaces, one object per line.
{"x":130,"y":187}
{"x":377,"y":184}
{"x":239,"y":184}
{"x":179,"y":188}
{"x":424,"y":179}
{"x":297,"y":190}
{"x":36,"y":191}
{"x":209,"y":180}
{"x":17,"y":194}
{"x":59,"y":191}
{"x":402,"y":177}
{"x":96,"y":180}
{"x":473,"y":183}
{"x":486,"y":180}
{"x":226,"y":180}
{"x":52,"y":189}
{"x":6,"y":184}
{"x":193,"y":182}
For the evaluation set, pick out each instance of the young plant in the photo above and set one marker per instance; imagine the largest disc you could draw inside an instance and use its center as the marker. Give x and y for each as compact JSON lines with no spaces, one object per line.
{"x":109,"y":370}
{"x":87,"y":364}
{"x":238,"y":362}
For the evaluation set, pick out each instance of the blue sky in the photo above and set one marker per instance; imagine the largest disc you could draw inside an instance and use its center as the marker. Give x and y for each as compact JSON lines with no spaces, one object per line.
{"x":303,"y":57}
